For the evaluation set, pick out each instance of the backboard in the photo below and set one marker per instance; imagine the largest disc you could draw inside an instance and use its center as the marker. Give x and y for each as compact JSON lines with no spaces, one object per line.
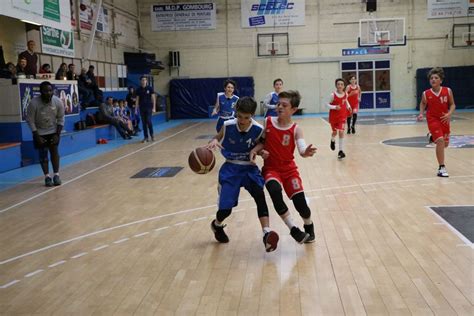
{"x":272,"y":45}
{"x":463,"y":35}
{"x":386,"y":32}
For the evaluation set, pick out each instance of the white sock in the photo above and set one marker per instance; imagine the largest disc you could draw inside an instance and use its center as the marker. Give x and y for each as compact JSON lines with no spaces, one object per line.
{"x":307,"y":221}
{"x":289,"y":221}
{"x":56,"y":174}
{"x":217,"y":223}
{"x":341,"y":144}
{"x":47,"y":175}
{"x":266,"y":230}
{"x":333,"y":139}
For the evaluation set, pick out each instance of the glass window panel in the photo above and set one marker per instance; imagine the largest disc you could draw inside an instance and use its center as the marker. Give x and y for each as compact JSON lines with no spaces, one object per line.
{"x":382,"y":64}
{"x":365,"y":65}
{"x":346,"y":75}
{"x":366,"y":80}
{"x":367,"y":101}
{"x":348,"y":66}
{"x":382,"y":80}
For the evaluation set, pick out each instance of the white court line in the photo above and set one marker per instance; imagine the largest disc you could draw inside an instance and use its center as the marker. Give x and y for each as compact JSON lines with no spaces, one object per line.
{"x":351,"y":192}
{"x":180,"y":223}
{"x":427,"y":184}
{"x":94,"y":170}
{"x":57,"y":264}
{"x":9,"y":284}
{"x":325,"y":122}
{"x":79,"y":255}
{"x":454,"y":230}
{"x":29,"y":275}
{"x":121,"y":240}
{"x":196,"y":209}
{"x":161,"y":228}
{"x":199,"y":219}
{"x":100,"y":247}
{"x":140,"y":235}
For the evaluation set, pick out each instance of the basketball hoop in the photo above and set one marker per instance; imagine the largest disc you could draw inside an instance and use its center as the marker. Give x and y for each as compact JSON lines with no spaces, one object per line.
{"x":383,"y":43}
{"x":469,"y":42}
{"x":273,"y":52}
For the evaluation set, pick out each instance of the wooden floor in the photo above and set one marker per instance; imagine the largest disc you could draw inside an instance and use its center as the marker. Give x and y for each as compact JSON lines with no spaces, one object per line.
{"x":105,"y":244}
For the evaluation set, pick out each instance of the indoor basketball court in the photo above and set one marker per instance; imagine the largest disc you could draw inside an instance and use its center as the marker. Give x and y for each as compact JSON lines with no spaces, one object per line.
{"x":128,"y":231}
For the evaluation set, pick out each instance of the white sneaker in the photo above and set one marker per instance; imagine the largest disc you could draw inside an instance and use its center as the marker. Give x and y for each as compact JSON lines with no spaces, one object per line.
{"x":442,"y":172}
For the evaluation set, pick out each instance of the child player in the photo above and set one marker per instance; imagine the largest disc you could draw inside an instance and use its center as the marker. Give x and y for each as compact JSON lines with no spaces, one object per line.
{"x":282,"y":135}
{"x":225,"y":103}
{"x":271,"y":99}
{"x":439,"y":104}
{"x":237,"y":138}
{"x":339,"y":110}
{"x":353,"y":96}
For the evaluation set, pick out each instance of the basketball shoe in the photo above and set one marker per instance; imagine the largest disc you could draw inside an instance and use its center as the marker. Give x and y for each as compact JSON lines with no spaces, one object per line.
{"x":270,"y":240}
{"x":298,"y":235}
{"x":309,"y":229}
{"x":442,"y":172}
{"x":219,"y":232}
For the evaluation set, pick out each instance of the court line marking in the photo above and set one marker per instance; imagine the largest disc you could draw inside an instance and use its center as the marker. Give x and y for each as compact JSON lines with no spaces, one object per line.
{"x":121,"y":240}
{"x":140,"y":235}
{"x":199,"y":219}
{"x":100,"y":247}
{"x":9,"y":284}
{"x":57,"y":264}
{"x":181,"y":223}
{"x":95,"y":169}
{"x":29,"y":275}
{"x":450,"y":227}
{"x":82,"y":254}
{"x":161,"y":228}
{"x":192,"y":210}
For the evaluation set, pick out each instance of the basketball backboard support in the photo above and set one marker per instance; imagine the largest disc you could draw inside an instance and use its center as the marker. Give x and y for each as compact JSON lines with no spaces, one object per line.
{"x":463,"y":35}
{"x":390,"y":32}
{"x":272,"y":45}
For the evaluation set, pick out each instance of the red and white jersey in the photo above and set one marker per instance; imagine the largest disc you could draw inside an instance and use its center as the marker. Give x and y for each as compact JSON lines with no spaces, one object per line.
{"x":354,"y":98}
{"x":280,"y":143}
{"x":341,"y":114}
{"x":437,"y":104}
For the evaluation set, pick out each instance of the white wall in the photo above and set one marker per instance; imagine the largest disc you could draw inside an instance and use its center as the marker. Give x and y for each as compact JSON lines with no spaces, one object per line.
{"x":331,"y":25}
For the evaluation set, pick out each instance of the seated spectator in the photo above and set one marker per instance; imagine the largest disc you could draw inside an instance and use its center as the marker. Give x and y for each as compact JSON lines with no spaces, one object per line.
{"x":61,"y":74}
{"x":21,"y":67}
{"x":71,"y":74}
{"x":132,"y":109}
{"x":45,"y":69}
{"x":85,"y":95}
{"x":123,"y":113}
{"x":8,"y":72}
{"x":106,"y":114}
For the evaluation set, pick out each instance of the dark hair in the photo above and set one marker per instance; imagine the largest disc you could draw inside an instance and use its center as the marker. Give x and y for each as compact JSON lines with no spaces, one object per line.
{"x":339,"y":79}
{"x":45,"y":84}
{"x":143,"y":77}
{"x":109,"y":97}
{"x":232,"y":82}
{"x":70,"y":65}
{"x":292,"y":95}
{"x":436,"y":71}
{"x":276,"y":80}
{"x":246,"y":105}
{"x":91,"y":66}
{"x":353,"y":76}
{"x":46,"y":65}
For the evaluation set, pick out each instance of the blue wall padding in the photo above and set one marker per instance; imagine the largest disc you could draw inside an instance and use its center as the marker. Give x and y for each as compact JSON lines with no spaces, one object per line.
{"x":191,"y":98}
{"x":459,"y":79}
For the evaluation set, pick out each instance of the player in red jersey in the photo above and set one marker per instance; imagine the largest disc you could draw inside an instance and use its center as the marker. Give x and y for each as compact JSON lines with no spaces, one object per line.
{"x":353,"y":96}
{"x":439,"y":104}
{"x":281,"y":136}
{"x":339,"y":110}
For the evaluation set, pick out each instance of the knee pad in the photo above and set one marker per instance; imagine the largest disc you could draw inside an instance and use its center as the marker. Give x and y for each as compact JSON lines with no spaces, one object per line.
{"x":275,"y":190}
{"x":223,"y":214}
{"x":301,"y":206}
{"x":259,"y":196}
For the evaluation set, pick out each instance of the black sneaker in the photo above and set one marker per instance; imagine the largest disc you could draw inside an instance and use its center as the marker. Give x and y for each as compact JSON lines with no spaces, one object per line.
{"x":309,"y":229}
{"x":349,"y":130}
{"x":145,"y":140}
{"x":152,"y":139}
{"x":270,"y":240}
{"x":56,"y":180}
{"x":353,"y":130}
{"x":341,"y":155}
{"x":219,"y":232}
{"x":48,"y":181}
{"x":298,"y":235}
{"x":333,"y":145}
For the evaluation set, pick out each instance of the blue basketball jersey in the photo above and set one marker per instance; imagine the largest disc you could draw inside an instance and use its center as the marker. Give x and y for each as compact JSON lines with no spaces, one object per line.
{"x":226,"y":105}
{"x":273,"y":101}
{"x":237,"y":144}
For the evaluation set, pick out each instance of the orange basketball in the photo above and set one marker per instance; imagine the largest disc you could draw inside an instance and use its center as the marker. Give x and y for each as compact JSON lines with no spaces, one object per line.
{"x":201,"y":160}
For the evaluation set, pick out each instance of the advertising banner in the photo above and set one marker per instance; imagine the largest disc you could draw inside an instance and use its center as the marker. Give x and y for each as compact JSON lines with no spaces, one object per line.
{"x":53,"y":13}
{"x":57,"y":42}
{"x":438,"y":9}
{"x":268,"y":13}
{"x":183,"y":17}
{"x":67,"y":93}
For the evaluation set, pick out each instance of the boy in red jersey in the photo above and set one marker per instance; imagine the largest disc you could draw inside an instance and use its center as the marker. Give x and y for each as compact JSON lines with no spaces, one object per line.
{"x":439,"y":104}
{"x":353,"y":97}
{"x":339,"y":110}
{"x":281,"y":136}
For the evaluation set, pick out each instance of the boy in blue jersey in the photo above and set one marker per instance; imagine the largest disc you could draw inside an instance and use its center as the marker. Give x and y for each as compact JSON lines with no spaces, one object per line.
{"x":271,"y":100}
{"x":237,"y":138}
{"x":225,"y":103}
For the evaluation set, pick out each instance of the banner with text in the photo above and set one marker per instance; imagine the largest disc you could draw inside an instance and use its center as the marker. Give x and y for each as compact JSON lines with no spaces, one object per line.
{"x":67,"y":93}
{"x":54,"y":13}
{"x":57,"y":42}
{"x":87,"y":11}
{"x":267,"y":13}
{"x":183,"y":17}
{"x":438,"y":9}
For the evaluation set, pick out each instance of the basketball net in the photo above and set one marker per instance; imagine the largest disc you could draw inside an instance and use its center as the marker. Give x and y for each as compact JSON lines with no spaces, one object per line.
{"x":383,"y":43}
{"x":273,"y":52}
{"x":469,"y":43}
